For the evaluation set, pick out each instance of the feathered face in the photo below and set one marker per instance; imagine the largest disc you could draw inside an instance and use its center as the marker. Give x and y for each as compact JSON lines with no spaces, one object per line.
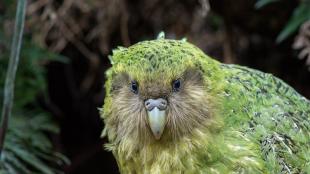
{"x":156,"y":95}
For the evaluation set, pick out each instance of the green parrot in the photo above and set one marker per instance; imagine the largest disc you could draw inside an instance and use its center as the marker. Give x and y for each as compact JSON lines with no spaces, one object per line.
{"x":170,"y":108}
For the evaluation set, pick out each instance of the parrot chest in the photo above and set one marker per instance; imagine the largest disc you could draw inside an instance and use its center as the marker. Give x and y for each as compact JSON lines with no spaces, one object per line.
{"x":160,"y":163}
{"x":199,"y":155}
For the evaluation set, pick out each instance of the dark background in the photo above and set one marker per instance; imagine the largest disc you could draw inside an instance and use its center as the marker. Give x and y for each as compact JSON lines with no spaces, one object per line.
{"x":85,"y":32}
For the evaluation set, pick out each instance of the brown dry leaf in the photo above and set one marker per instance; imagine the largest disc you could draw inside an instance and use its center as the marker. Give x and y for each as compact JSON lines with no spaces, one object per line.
{"x":302,"y":42}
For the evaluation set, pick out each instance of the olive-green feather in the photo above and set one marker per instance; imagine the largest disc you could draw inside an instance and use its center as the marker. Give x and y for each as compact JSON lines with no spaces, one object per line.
{"x":271,"y":113}
{"x":259,"y":124}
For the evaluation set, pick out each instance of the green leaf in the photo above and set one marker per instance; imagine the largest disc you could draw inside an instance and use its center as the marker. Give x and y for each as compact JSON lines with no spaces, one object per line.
{"x":261,"y":3}
{"x":11,"y":158}
{"x":39,"y":54}
{"x":24,"y":138}
{"x":39,"y":140}
{"x":44,"y":123}
{"x":62,"y":158}
{"x":3,"y":171}
{"x":55,"y":157}
{"x":31,"y":160}
{"x":300,"y":15}
{"x":9,"y":169}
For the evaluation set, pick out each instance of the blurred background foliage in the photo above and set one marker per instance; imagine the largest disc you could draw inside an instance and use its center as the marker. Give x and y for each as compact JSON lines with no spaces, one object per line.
{"x":60,"y":79}
{"x":27,"y":147}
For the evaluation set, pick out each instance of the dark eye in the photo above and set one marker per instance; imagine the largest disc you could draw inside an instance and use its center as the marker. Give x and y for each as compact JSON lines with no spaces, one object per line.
{"x":134,"y":87}
{"x":176,"y":85}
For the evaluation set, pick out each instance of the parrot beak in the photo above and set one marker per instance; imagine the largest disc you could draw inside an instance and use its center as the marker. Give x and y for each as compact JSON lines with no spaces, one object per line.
{"x":157,"y":121}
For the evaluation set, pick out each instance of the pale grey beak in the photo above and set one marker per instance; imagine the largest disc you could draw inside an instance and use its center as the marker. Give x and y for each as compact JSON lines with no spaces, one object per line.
{"x":157,"y":121}
{"x":156,"y":112}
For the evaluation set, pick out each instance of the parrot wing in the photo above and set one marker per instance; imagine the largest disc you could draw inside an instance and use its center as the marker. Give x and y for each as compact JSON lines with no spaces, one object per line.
{"x":272,"y":114}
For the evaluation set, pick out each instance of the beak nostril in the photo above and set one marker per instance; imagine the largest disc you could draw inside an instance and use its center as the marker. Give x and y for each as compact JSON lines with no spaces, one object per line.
{"x":151,"y":103}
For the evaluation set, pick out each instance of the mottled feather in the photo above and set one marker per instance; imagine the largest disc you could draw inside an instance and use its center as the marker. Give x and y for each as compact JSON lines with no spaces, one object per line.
{"x":225,"y":119}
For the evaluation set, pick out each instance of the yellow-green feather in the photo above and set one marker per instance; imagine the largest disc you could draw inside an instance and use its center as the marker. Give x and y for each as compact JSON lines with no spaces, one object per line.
{"x":249,"y":108}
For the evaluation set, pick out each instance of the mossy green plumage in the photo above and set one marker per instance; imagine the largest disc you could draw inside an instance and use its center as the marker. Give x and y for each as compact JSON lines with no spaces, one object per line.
{"x":254,"y":122}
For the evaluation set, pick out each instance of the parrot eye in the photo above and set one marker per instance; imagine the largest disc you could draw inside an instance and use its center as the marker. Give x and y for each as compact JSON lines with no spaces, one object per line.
{"x":134,"y":87}
{"x":176,"y":85}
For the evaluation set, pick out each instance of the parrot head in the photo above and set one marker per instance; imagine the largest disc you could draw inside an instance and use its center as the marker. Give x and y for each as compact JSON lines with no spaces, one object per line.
{"x":156,"y":91}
